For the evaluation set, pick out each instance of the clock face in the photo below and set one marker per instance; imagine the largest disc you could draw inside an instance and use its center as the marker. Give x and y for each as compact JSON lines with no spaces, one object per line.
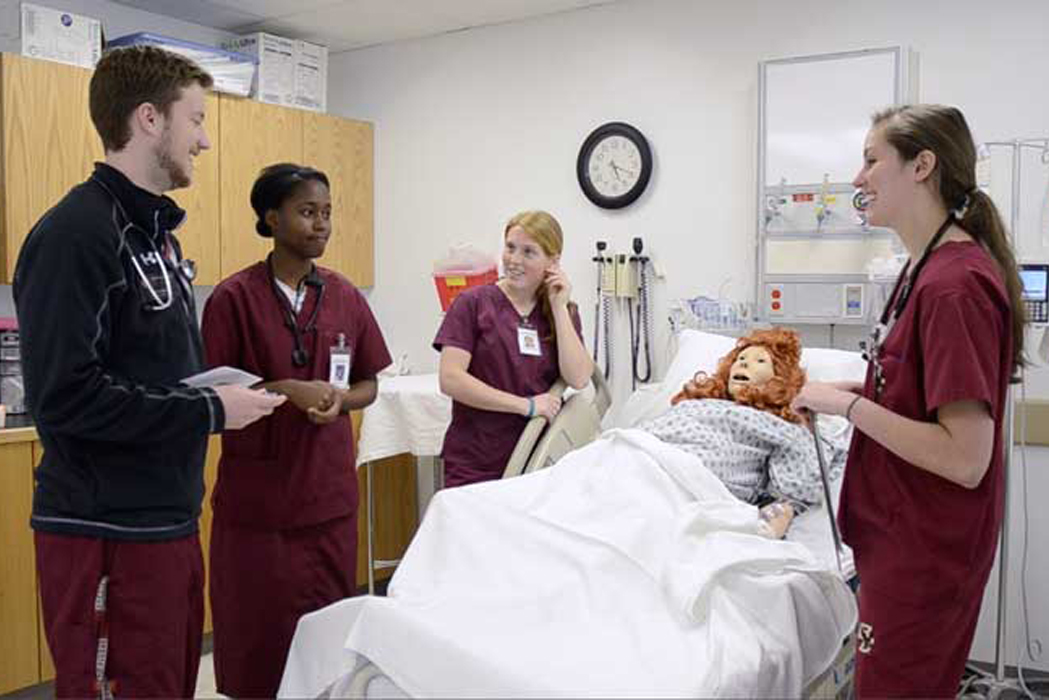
{"x":614,"y":165}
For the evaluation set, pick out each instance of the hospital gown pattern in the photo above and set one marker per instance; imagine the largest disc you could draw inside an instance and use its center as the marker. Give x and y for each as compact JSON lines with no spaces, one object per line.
{"x":753,"y":452}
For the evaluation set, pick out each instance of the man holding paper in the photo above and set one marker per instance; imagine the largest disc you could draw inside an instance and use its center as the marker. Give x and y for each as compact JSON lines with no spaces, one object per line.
{"x":108,"y":330}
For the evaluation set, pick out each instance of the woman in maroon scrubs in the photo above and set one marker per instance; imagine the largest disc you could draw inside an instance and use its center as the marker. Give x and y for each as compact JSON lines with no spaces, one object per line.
{"x":922,"y":496}
{"x":284,"y":537}
{"x":503,"y":346}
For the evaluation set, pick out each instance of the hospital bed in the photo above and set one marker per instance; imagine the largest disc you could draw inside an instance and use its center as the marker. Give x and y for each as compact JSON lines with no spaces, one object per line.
{"x":320,"y":664}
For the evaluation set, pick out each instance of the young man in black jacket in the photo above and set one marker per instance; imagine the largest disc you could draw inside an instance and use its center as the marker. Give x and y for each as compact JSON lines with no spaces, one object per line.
{"x":108,"y":329}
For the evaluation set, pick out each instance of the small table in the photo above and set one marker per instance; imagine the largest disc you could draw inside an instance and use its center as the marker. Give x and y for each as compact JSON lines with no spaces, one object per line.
{"x":409,"y":415}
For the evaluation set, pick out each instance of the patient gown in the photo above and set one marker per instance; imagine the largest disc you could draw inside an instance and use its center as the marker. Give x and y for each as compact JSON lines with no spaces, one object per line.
{"x":755,"y":453}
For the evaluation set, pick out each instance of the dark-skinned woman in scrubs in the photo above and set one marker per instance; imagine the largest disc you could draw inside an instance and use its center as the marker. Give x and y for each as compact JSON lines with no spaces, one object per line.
{"x":284,"y":537}
{"x":503,"y":346}
{"x":923,"y":491}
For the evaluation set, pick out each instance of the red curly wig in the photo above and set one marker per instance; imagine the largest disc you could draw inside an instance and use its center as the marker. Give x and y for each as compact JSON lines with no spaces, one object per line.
{"x":775,"y":395}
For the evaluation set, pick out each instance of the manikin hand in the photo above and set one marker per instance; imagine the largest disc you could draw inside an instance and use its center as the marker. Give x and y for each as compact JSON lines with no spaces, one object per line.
{"x":244,"y":406}
{"x":558,"y":288}
{"x":775,"y":519}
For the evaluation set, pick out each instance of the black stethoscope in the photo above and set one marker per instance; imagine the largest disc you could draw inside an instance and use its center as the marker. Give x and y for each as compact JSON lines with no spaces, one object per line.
{"x":186,"y":269}
{"x":300,"y":356}
{"x":901,"y":292}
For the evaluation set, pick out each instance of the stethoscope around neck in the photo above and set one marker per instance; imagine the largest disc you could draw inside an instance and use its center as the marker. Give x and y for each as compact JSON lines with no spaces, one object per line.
{"x":186,"y":268}
{"x":894,"y":307}
{"x":300,"y":356}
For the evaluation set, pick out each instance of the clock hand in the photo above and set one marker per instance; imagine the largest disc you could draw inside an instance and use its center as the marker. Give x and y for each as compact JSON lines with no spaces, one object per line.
{"x":616,"y":169}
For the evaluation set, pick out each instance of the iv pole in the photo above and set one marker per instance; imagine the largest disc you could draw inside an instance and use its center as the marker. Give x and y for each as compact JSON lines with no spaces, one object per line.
{"x":992,"y":686}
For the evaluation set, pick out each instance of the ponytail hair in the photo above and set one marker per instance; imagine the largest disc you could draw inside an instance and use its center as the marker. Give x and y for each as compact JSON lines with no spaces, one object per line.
{"x":911,"y":129}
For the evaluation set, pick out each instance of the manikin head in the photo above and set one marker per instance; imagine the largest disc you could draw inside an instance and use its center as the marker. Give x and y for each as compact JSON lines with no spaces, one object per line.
{"x":763,"y":371}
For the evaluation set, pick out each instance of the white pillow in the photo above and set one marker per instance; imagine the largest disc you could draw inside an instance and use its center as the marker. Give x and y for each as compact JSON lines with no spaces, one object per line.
{"x":696,"y":351}
{"x":699,"y":351}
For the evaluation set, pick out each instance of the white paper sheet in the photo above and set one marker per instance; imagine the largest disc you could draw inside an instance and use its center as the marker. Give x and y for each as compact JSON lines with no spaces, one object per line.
{"x":218,"y":376}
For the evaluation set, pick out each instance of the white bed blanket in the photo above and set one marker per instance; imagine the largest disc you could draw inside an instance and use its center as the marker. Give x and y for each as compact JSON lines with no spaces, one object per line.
{"x":627,"y":569}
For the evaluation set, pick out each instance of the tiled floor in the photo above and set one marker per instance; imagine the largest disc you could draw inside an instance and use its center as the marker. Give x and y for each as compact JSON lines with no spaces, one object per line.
{"x":206,"y":679}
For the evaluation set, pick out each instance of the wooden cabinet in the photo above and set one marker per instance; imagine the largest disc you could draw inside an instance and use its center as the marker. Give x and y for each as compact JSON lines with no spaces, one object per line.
{"x":200,"y":236}
{"x":45,"y":150}
{"x":49,"y":145}
{"x":19,"y":638}
{"x":252,"y":135}
{"x":343,"y":149}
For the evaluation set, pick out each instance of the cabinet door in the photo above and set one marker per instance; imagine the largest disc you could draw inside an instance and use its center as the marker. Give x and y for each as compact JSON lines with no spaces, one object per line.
{"x":200,"y":234}
{"x":252,"y":135}
{"x":49,"y":144}
{"x":19,"y":638}
{"x":343,"y":149}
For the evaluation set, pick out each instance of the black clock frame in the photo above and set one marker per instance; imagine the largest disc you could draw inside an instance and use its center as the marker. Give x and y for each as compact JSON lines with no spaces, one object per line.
{"x":583,"y":171}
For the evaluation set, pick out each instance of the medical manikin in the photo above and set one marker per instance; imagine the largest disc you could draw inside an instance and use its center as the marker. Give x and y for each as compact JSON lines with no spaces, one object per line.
{"x":739,"y":422}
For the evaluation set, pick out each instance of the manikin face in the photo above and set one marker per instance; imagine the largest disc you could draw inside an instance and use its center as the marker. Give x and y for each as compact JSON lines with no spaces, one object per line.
{"x":524,"y":261}
{"x":302,"y":225}
{"x":885,"y":180}
{"x":753,"y":367}
{"x":183,"y":138}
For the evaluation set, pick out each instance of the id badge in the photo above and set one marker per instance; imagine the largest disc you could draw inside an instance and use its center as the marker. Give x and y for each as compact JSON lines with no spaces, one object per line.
{"x":339,"y":370}
{"x":528,"y":341}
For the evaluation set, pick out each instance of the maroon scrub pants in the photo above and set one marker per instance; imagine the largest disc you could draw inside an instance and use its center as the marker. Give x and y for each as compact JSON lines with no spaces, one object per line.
{"x":911,"y":650}
{"x":143,"y":600}
{"x":262,"y":582}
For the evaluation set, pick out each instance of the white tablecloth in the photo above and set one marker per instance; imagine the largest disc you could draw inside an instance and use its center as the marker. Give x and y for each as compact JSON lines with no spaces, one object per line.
{"x":409,"y":415}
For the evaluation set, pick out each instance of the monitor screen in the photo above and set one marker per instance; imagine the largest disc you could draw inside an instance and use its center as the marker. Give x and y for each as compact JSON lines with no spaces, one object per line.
{"x":1036,"y":283}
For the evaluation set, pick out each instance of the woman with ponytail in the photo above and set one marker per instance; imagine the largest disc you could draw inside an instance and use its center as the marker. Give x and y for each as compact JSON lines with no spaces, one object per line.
{"x":503,"y":346}
{"x":923,"y":491}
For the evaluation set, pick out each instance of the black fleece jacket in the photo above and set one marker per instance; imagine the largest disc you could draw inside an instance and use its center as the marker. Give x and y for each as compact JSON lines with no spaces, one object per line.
{"x":102,"y":356}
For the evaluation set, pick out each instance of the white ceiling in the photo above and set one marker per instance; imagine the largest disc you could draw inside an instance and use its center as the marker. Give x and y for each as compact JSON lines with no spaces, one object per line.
{"x":349,"y":24}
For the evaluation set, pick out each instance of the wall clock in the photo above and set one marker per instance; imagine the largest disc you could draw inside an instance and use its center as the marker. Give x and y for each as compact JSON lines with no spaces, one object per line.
{"x":614,"y":165}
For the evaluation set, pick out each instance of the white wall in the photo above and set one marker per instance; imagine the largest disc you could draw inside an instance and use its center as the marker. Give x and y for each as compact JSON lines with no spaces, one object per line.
{"x":474,"y":126}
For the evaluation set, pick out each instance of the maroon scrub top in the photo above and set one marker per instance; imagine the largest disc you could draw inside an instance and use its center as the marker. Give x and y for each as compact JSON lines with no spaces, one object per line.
{"x":484,"y":323}
{"x":918,"y":538}
{"x":284,"y":471}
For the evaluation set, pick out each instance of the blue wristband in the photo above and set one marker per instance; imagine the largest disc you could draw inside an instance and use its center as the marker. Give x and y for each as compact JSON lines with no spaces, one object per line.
{"x":531,"y":407}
